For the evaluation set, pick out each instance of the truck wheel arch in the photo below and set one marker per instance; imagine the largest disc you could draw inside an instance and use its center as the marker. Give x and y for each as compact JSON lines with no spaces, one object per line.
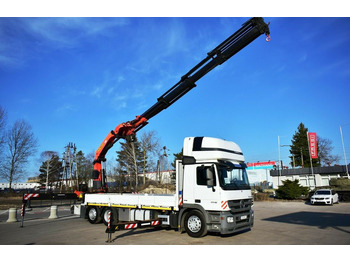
{"x":185,"y":210}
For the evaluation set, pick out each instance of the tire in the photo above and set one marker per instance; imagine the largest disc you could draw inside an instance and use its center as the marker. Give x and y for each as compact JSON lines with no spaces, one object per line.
{"x":195,"y":224}
{"x":94,"y":215}
{"x":105,"y":215}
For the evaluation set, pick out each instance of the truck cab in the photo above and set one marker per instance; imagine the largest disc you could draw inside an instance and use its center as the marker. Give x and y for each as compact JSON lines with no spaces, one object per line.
{"x":214,"y":184}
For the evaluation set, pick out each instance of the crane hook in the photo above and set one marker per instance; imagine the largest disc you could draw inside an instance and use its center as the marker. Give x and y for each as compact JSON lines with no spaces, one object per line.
{"x":268,"y":38}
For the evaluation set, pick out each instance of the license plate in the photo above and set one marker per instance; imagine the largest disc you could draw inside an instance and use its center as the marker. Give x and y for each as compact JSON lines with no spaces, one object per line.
{"x":243,"y":217}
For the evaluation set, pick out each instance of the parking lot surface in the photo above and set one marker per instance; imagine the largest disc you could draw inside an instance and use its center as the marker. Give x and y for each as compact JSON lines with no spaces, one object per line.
{"x":276,"y":223}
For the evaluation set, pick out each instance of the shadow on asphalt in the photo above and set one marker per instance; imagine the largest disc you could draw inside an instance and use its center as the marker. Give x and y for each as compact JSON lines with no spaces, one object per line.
{"x":321,"y":220}
{"x":43,"y":221}
{"x":137,"y":231}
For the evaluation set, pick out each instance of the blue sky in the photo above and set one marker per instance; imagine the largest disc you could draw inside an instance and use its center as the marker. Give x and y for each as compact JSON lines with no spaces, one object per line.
{"x":75,"y":79}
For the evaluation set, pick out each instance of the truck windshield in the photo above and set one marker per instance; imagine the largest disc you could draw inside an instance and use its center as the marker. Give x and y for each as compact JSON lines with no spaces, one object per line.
{"x":233,"y":177}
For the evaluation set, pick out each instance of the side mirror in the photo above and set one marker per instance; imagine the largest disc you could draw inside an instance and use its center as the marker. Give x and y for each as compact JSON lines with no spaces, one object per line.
{"x":188,"y":160}
{"x":210,"y":176}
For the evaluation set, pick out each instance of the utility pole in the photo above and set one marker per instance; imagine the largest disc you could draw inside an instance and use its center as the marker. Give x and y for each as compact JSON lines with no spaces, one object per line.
{"x":279,"y":161}
{"x":70,"y":163}
{"x":76,"y":165}
{"x":346,"y":162}
{"x":47,"y":175}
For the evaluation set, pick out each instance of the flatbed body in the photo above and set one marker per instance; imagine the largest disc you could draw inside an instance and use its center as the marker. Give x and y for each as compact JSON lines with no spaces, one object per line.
{"x":129,"y":200}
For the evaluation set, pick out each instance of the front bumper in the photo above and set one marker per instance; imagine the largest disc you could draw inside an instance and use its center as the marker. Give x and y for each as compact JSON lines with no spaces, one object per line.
{"x":327,"y":201}
{"x":228,"y":223}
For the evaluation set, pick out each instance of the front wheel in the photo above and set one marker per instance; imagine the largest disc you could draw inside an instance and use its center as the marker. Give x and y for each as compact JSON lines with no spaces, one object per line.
{"x":195,"y":224}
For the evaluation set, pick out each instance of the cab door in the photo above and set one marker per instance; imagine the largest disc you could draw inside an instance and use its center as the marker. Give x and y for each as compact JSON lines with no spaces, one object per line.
{"x":206,"y":187}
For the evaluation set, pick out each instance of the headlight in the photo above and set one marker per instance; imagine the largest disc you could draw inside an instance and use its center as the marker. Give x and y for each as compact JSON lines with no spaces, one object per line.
{"x":229,"y":219}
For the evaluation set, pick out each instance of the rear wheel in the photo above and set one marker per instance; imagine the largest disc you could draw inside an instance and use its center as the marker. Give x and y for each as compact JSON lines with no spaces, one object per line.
{"x":105,"y":215}
{"x":195,"y":224}
{"x":94,"y":215}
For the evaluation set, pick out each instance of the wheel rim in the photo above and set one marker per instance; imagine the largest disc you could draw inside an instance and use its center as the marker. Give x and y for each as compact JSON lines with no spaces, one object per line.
{"x":106,"y":214}
{"x":92,"y":214}
{"x":194,"y":224}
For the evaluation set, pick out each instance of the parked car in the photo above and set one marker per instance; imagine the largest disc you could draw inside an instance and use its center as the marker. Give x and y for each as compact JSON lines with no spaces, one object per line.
{"x":325,"y":196}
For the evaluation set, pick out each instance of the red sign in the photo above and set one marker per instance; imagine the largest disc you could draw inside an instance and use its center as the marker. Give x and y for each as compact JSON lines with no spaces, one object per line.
{"x":267,"y":164}
{"x":313,"y":144}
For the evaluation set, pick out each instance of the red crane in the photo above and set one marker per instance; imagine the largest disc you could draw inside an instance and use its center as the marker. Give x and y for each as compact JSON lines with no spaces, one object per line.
{"x":249,"y":31}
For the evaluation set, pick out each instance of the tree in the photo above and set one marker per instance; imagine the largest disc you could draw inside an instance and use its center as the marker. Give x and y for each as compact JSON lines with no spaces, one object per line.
{"x":2,"y":127}
{"x":325,"y":155}
{"x":2,"y":132}
{"x":300,"y":149}
{"x":19,"y":146}
{"x":50,"y":169}
{"x":130,"y":158}
{"x":291,"y":190}
{"x":84,"y":166}
{"x":178,"y":156}
{"x":149,"y":145}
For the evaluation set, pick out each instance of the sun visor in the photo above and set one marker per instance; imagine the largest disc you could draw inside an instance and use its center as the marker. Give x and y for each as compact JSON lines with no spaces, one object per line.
{"x":209,"y":148}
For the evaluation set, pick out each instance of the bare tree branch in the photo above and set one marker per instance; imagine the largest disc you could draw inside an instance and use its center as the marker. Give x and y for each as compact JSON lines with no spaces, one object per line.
{"x":20,"y":145}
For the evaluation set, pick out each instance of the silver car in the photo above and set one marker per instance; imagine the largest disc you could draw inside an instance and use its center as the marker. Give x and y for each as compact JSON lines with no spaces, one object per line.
{"x":325,"y":196}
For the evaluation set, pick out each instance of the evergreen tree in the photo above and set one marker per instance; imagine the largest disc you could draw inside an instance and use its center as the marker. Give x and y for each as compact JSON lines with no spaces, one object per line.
{"x":84,"y":168}
{"x":291,"y":190}
{"x":178,"y":156}
{"x":300,"y":149}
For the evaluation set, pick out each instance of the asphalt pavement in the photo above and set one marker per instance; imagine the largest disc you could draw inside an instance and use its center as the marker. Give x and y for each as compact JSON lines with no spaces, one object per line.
{"x":276,"y":223}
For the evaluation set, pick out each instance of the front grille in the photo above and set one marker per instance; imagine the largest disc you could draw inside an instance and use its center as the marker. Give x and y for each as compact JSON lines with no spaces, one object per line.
{"x":240,"y":206}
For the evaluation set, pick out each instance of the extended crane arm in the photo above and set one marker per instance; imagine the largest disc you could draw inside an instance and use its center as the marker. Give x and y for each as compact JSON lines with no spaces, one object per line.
{"x":249,"y":31}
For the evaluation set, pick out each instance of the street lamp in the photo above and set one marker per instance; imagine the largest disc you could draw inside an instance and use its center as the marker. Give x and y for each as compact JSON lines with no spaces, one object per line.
{"x":292,"y":155}
{"x":279,"y":159}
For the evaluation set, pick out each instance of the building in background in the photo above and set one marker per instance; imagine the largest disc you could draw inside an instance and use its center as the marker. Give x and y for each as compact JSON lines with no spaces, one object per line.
{"x":20,"y":186}
{"x":318,"y":177}
{"x":259,"y":173}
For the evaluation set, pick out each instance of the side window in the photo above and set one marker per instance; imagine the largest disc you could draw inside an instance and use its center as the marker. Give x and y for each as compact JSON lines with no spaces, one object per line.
{"x":202,"y":175}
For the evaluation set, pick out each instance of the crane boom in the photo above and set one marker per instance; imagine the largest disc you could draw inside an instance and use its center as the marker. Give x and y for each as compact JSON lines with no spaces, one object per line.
{"x":249,"y":31}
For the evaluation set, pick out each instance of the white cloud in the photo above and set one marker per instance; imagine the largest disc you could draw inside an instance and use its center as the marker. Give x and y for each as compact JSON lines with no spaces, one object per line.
{"x":24,"y":38}
{"x":67,"y":31}
{"x":62,"y":110}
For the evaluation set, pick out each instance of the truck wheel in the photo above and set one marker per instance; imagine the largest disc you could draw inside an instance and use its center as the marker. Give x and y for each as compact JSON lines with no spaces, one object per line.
{"x":106,"y":212}
{"x":195,"y":224}
{"x":94,"y":215}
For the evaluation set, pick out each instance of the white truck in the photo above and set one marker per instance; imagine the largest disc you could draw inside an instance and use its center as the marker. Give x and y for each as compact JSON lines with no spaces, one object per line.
{"x":212,"y":195}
